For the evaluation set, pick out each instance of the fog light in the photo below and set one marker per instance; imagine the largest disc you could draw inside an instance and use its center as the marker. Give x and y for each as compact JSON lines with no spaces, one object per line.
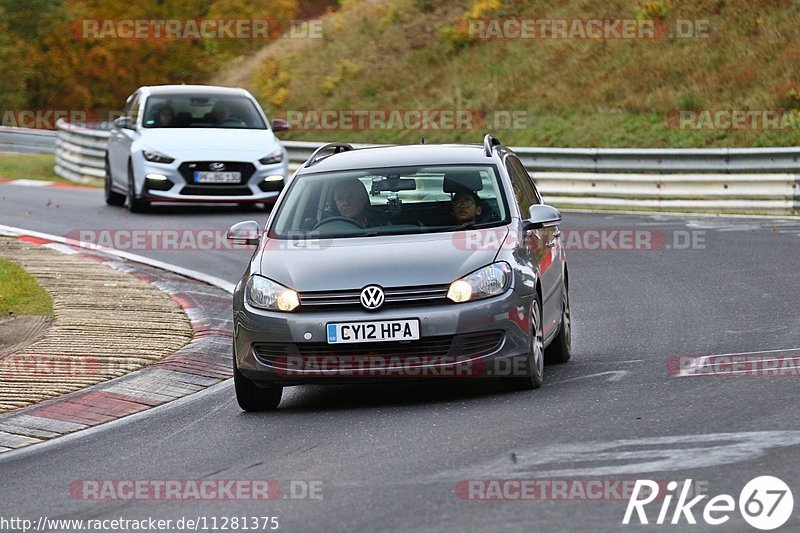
{"x":157,"y":182}
{"x":272,"y":183}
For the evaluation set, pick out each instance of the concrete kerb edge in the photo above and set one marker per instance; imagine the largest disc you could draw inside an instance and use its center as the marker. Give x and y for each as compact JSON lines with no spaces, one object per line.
{"x":200,"y":364}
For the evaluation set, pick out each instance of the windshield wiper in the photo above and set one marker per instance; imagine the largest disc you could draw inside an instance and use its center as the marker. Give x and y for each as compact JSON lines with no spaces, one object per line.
{"x":471,"y":225}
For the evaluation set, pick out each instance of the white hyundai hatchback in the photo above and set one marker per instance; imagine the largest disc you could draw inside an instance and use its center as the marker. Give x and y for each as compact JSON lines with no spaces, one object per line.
{"x":193,"y":143}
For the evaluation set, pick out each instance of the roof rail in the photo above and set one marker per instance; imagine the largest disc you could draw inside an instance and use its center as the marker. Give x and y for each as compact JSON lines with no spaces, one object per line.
{"x":334,"y":148}
{"x":489,"y":143}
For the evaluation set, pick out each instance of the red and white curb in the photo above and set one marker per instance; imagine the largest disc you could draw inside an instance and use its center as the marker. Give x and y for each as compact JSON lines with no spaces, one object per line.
{"x":204,"y":362}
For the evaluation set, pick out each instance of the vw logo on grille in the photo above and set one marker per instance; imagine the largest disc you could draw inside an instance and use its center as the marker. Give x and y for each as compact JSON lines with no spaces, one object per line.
{"x":216,"y":166}
{"x":372,"y":297}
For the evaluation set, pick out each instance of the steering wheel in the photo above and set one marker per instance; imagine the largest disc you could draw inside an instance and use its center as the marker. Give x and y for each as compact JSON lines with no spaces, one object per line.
{"x":330,"y":220}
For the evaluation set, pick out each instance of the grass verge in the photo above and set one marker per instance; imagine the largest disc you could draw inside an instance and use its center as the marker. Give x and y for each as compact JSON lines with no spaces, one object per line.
{"x":29,"y":167}
{"x":20,"y":293}
{"x":400,"y":55}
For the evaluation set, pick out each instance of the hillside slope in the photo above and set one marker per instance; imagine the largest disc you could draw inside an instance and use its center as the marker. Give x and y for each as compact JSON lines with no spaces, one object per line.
{"x":418,"y":55}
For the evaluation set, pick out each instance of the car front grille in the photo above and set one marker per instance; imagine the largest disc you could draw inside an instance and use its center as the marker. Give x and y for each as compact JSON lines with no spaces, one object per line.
{"x":394,"y":297}
{"x":453,"y":346}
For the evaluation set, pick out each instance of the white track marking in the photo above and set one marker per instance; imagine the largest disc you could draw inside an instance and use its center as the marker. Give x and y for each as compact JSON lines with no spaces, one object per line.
{"x":30,"y":183}
{"x":614,"y":375}
{"x":629,"y":456}
{"x":193,"y":274}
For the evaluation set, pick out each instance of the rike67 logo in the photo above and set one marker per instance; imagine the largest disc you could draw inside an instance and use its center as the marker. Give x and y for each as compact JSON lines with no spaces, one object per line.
{"x":765,"y":503}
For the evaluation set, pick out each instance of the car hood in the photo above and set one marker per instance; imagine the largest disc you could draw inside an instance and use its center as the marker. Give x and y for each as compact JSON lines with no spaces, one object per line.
{"x":204,"y":144}
{"x":388,"y":261}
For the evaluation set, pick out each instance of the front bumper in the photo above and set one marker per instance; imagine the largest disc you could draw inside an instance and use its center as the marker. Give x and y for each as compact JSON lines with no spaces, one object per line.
{"x":253,"y":188}
{"x":487,"y":338}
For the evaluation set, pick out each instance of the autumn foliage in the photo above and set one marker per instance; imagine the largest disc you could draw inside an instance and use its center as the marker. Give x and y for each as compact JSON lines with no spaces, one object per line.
{"x":49,"y":64}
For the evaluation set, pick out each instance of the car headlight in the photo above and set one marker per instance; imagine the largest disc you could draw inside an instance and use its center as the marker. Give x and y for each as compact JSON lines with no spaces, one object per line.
{"x":157,"y":157}
{"x":276,"y":156}
{"x":266,"y":294}
{"x":488,"y":281}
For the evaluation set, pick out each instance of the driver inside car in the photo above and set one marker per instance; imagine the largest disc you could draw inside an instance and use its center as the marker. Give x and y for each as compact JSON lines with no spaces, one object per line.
{"x":219,"y":113}
{"x":352,"y":201}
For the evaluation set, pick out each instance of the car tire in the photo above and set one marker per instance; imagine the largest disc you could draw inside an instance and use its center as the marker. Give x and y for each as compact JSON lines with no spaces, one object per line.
{"x":134,"y":204}
{"x":560,"y":350}
{"x":534,"y":364}
{"x":251,"y":397}
{"x":112,"y":197}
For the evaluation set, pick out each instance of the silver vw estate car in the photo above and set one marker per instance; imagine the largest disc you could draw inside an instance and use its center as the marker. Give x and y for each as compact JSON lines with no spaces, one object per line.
{"x":387,"y":263}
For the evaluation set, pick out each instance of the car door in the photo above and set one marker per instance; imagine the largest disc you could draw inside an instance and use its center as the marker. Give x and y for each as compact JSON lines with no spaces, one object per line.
{"x":120,"y":140}
{"x":543,"y":246}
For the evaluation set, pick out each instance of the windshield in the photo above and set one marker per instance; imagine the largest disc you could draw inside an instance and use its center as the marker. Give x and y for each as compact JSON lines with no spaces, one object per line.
{"x":391,"y":201}
{"x":201,"y":111}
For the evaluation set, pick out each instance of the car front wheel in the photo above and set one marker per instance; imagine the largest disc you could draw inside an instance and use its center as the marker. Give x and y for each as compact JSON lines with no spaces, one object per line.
{"x":112,"y":197}
{"x":135,"y":205}
{"x":560,"y":350}
{"x":534,"y":365}
{"x":253,"y":398}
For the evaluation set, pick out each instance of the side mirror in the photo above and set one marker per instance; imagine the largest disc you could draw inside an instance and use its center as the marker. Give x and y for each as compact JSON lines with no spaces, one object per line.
{"x":279,"y":124}
{"x":124,"y":123}
{"x":247,"y":233}
{"x":542,"y":216}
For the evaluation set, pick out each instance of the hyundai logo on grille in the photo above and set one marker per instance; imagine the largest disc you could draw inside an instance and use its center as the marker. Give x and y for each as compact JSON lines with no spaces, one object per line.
{"x":372,"y":297}
{"x":216,"y":167}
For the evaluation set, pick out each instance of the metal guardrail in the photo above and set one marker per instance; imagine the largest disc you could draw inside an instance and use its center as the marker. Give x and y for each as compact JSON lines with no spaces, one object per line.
{"x":725,"y":180}
{"x":662,"y":160}
{"x":735,"y":180}
{"x":26,"y":140}
{"x":80,"y":152}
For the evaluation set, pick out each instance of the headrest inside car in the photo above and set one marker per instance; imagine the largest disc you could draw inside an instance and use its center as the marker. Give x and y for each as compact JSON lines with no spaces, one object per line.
{"x":461,"y":180}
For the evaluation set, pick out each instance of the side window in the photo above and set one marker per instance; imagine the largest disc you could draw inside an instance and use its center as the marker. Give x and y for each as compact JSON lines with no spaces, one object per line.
{"x":127,"y":108}
{"x":524,"y":191}
{"x":133,"y":109}
{"x":523,"y":172}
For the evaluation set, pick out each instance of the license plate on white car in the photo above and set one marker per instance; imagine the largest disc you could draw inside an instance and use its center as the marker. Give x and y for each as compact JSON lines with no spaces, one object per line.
{"x":202,"y":176}
{"x":379,"y":331}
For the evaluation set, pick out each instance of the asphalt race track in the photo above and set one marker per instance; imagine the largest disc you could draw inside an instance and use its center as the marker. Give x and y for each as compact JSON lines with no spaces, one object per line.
{"x":389,"y":457}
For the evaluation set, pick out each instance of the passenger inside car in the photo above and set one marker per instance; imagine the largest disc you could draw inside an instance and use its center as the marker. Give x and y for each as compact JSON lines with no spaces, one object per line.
{"x":466,"y":207}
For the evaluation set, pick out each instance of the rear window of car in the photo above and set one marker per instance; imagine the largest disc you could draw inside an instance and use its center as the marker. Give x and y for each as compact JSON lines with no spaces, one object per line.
{"x":394,"y":201}
{"x":201,"y":111}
